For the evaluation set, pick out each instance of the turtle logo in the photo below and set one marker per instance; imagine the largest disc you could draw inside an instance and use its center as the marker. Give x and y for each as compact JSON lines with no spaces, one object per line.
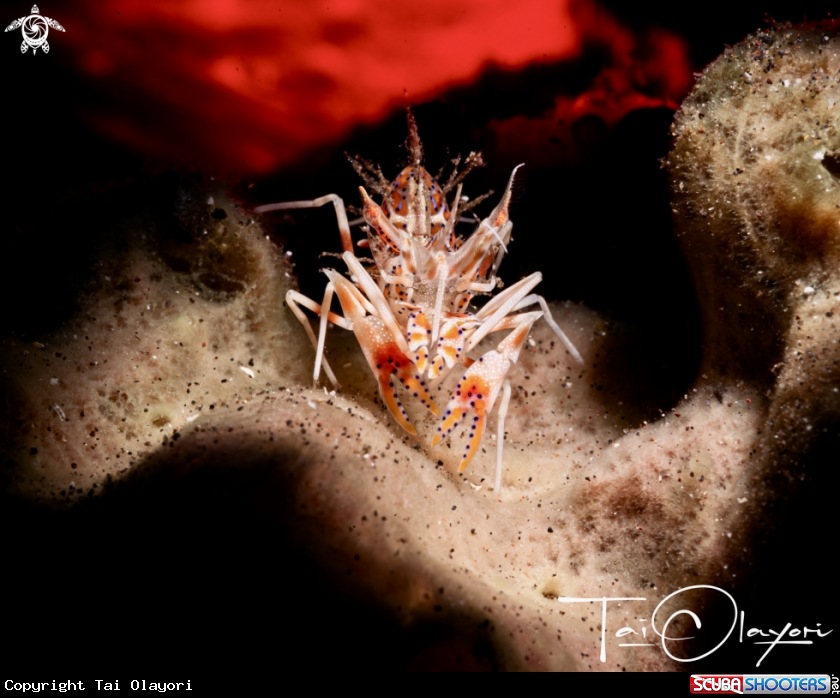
{"x":35,"y":30}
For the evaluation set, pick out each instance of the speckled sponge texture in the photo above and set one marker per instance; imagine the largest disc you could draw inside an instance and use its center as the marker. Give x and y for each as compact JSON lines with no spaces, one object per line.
{"x":182,"y":359}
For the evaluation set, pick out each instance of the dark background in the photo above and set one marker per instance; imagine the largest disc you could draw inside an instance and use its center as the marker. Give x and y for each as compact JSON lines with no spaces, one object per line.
{"x":175,"y":582}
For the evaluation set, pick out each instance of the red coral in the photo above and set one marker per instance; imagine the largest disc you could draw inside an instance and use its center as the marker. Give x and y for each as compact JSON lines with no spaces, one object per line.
{"x":254,"y":85}
{"x":642,"y":71}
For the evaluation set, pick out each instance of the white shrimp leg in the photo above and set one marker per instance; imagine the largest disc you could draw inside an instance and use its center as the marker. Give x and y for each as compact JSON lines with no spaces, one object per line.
{"x":495,"y":303}
{"x":294,"y":300}
{"x":535,"y":298}
{"x":438,"y":311}
{"x":494,"y":311}
{"x":334,"y":199}
{"x":501,"y":305}
{"x":500,"y":441}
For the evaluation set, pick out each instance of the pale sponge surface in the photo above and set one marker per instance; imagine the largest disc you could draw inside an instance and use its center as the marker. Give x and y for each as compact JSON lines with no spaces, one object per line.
{"x":756,"y":199}
{"x":755,"y":191}
{"x":175,"y":327}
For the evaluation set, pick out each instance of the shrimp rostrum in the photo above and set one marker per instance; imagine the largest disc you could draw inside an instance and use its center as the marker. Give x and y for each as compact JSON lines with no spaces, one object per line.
{"x":413,"y":311}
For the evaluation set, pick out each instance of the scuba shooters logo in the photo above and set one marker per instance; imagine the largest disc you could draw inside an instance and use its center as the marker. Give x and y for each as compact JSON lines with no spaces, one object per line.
{"x":35,"y":28}
{"x":763,"y":684}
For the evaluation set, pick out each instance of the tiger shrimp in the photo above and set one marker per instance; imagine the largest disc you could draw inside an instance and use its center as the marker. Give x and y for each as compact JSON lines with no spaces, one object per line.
{"x":413,"y":313}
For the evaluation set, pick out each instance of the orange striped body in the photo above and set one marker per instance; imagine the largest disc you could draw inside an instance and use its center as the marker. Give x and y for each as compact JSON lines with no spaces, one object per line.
{"x":426,"y":277}
{"x":415,"y":184}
